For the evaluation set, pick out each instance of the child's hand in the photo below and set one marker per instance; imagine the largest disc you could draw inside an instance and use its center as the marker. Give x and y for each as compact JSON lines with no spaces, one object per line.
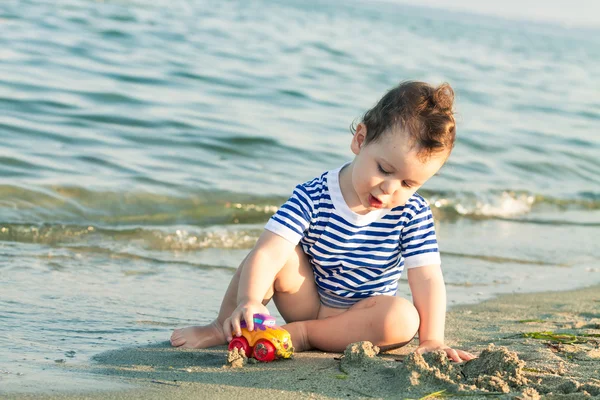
{"x":455,"y":355}
{"x":244,"y":311}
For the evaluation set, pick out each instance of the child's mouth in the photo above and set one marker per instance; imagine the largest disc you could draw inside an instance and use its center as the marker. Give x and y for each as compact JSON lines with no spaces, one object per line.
{"x":375,"y":202}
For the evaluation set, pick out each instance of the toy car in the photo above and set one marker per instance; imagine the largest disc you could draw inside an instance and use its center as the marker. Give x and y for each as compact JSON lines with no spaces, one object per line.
{"x":266,"y":342}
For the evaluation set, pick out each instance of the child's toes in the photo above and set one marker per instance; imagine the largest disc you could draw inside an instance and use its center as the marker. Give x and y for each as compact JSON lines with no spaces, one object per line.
{"x":177,"y":338}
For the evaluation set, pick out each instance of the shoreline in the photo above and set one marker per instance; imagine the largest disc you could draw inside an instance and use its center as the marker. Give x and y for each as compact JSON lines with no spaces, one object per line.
{"x":554,"y":365}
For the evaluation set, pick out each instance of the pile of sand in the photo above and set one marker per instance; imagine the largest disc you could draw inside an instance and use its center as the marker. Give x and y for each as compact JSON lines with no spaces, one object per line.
{"x":496,"y":370}
{"x":359,"y":355}
{"x":236,"y":358}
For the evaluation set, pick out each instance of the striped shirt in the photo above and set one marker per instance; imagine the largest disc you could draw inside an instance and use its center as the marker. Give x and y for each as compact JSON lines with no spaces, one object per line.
{"x":355,"y":256}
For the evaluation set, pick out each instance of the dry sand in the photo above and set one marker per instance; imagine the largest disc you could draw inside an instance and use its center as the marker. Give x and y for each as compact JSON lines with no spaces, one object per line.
{"x":515,"y":366}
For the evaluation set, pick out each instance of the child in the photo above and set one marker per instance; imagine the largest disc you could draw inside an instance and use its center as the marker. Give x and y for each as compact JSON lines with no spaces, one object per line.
{"x":332,"y":255}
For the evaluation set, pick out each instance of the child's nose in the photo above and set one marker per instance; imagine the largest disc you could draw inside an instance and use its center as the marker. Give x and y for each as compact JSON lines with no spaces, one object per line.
{"x":390,"y":186}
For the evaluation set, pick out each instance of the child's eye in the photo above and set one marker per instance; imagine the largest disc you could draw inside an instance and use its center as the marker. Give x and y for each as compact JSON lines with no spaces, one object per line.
{"x":406,"y":185}
{"x":383,"y":171}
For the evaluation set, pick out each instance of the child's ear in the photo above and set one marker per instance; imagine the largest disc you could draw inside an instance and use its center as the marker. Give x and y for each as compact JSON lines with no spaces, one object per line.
{"x":359,"y":138}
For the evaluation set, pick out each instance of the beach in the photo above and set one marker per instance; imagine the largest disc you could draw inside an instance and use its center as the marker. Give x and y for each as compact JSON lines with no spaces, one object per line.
{"x":146,"y":145}
{"x":562,"y":365}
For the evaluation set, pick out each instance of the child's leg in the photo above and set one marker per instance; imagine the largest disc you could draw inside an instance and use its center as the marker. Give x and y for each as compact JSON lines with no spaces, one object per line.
{"x":201,"y":337}
{"x":294,"y":292}
{"x":385,"y":321}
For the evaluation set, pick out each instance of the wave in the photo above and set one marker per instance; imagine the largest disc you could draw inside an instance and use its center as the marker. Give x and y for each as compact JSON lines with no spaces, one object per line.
{"x":159,"y":239}
{"x":76,"y":205}
{"x":139,"y":224}
{"x":39,"y":206}
{"x":515,"y":205}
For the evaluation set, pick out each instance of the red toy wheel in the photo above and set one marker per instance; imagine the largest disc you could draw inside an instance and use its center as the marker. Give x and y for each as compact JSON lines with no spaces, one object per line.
{"x":240,"y":343}
{"x":264,"y":351}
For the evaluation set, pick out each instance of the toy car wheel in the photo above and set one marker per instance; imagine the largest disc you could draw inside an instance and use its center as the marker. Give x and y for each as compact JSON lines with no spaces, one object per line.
{"x":264,"y":351}
{"x":240,"y":343}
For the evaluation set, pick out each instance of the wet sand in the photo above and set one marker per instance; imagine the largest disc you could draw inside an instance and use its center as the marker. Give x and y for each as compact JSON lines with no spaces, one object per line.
{"x":525,"y":361}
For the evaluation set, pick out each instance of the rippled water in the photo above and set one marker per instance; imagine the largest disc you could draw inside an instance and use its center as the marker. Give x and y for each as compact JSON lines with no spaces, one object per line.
{"x":144,"y":145}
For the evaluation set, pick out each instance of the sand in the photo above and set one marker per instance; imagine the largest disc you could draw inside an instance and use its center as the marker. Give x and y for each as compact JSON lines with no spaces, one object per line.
{"x":518,"y":359}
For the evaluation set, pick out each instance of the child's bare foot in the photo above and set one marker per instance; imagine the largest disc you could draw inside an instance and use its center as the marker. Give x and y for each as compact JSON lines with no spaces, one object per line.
{"x":199,"y":337}
{"x":297,"y":331}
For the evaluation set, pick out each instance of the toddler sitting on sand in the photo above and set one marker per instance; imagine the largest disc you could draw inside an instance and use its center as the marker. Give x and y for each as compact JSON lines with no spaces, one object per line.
{"x":332,"y":255}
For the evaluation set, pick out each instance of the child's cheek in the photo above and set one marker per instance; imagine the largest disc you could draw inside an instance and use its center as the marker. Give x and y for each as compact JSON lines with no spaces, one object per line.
{"x":376,"y":182}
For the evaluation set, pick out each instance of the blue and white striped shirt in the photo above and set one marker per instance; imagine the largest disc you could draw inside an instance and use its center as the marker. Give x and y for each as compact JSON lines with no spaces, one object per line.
{"x":355,"y":256}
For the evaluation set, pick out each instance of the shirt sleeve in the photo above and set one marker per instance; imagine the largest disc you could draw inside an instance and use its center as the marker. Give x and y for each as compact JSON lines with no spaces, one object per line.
{"x":293,"y":218}
{"x":418,"y":243}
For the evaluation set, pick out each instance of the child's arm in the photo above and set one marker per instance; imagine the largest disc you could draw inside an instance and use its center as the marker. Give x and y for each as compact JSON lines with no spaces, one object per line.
{"x":429,"y":297}
{"x":262,"y":264}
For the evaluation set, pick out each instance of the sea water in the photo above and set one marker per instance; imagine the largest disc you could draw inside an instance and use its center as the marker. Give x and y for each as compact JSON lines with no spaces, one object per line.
{"x":145,"y":144}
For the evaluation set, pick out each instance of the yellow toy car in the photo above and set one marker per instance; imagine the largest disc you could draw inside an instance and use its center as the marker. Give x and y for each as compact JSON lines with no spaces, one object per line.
{"x":266,"y":342}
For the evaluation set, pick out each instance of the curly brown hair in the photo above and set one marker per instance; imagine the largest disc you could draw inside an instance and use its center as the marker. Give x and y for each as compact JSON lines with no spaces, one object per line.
{"x":426,"y":112}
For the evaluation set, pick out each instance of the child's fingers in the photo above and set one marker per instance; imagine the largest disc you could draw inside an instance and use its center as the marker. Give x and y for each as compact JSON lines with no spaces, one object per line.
{"x":465,"y":355}
{"x":453,"y":354}
{"x":249,"y":318}
{"x":235,"y":325}
{"x":227,"y":329}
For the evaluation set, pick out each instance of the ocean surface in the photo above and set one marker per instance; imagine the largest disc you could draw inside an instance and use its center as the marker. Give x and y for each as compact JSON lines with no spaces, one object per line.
{"x":145,"y":144}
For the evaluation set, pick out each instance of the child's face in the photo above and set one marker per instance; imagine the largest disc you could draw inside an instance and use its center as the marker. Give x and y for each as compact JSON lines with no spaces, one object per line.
{"x":386,"y":173}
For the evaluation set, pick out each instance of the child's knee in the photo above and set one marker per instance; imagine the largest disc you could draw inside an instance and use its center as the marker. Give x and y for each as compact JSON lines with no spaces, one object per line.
{"x":296,"y":273}
{"x":401,"y":321}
